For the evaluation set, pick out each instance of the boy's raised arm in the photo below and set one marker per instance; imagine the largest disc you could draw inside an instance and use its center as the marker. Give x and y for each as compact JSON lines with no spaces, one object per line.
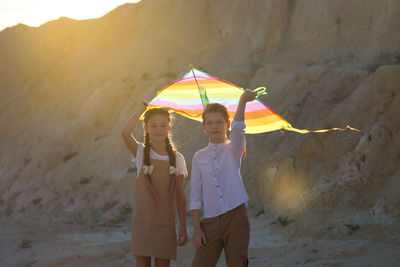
{"x":247,"y":96}
{"x":238,"y":141}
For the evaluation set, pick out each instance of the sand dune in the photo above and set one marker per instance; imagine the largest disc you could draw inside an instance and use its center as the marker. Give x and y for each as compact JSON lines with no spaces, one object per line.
{"x":68,"y":86}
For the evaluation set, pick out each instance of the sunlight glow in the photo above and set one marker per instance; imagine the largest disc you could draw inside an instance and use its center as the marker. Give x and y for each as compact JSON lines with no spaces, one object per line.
{"x":36,"y":12}
{"x":288,"y":193}
{"x":283,"y":189}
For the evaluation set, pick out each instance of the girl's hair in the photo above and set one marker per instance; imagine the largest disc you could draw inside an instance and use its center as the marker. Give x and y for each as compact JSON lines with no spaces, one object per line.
{"x":215,"y":107}
{"x":169,"y":146}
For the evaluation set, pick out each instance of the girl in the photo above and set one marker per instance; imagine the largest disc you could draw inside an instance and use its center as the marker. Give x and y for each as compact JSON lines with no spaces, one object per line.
{"x":159,"y":185}
{"x":217,"y":188}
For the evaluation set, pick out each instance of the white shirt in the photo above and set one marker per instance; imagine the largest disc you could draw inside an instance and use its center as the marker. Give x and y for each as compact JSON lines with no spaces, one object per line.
{"x":216,"y":184}
{"x":180,"y":160}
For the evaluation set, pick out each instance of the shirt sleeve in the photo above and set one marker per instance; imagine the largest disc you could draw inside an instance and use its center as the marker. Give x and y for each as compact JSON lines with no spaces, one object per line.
{"x":238,"y":141}
{"x":181,"y":165}
{"x":195,"y":187}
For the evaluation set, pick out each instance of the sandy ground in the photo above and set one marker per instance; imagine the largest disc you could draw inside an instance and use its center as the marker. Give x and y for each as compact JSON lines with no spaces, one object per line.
{"x":80,"y":245}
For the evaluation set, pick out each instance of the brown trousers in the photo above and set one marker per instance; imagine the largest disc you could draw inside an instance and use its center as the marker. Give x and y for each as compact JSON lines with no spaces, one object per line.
{"x":229,"y":231}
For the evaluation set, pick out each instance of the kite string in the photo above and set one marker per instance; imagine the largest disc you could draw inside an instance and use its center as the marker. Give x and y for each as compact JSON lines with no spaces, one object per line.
{"x":204,"y":97}
{"x":191,"y":67}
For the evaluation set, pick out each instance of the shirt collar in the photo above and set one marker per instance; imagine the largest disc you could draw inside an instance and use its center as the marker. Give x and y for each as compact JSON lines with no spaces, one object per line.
{"x":217,"y":145}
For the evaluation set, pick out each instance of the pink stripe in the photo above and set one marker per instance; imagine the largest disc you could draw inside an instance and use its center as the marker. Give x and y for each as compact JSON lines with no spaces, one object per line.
{"x":175,"y":105}
{"x":252,"y":106}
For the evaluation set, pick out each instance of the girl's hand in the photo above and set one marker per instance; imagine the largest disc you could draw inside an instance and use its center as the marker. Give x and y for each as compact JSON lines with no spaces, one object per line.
{"x":199,"y":239}
{"x":248,"y":95}
{"x":143,"y":107}
{"x":182,"y":236}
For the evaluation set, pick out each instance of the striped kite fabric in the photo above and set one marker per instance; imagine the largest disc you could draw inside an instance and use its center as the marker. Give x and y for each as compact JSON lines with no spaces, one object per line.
{"x":189,"y":95}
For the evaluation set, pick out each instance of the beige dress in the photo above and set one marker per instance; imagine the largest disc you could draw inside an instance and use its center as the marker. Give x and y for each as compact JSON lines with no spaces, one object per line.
{"x":153,"y":230}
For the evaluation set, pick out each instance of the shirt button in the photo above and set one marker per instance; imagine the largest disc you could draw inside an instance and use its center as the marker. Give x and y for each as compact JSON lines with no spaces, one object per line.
{"x":217,"y":186}
{"x":215,"y":157}
{"x":220,"y":196}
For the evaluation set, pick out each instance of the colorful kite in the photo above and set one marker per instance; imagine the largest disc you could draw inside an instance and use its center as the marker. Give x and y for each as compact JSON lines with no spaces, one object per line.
{"x":189,"y":96}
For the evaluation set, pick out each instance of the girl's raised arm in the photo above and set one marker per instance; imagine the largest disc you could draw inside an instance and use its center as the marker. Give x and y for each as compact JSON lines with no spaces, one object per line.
{"x":126,"y":133}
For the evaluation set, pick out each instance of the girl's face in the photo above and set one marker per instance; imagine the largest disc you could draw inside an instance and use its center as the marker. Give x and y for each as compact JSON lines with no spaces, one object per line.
{"x":158,"y":127}
{"x":215,"y":126}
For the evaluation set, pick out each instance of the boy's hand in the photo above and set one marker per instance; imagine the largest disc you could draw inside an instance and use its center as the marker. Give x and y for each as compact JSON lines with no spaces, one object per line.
{"x":248,"y":95}
{"x":182,"y":236}
{"x":199,"y":239}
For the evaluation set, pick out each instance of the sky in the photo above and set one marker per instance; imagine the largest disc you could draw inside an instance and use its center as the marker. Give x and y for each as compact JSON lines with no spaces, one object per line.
{"x":37,"y":12}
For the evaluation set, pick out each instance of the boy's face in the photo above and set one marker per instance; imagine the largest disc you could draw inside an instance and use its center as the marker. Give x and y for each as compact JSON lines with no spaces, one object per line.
{"x":215,"y":126}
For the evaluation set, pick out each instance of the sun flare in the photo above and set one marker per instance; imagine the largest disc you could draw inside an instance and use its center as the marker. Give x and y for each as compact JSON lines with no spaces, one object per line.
{"x":35,"y":13}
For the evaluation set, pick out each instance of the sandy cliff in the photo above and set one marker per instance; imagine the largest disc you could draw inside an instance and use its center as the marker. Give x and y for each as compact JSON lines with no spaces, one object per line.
{"x":68,"y":86}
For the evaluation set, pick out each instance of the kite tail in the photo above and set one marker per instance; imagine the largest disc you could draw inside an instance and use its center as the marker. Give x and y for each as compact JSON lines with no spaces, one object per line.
{"x":303,"y":131}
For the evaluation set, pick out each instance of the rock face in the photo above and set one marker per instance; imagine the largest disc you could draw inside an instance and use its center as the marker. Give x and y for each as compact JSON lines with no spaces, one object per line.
{"x":68,"y":86}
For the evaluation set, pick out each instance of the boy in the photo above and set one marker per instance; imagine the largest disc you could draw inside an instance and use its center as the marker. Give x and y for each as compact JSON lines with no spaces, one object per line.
{"x":217,"y":188}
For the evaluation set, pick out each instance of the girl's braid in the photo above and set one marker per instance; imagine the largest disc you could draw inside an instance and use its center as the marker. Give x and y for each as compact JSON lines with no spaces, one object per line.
{"x":172,"y":161}
{"x":146,"y":161}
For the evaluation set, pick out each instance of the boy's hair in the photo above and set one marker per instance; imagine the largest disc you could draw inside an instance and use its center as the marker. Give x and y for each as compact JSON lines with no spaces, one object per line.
{"x":169,"y":145}
{"x":216,"y":107}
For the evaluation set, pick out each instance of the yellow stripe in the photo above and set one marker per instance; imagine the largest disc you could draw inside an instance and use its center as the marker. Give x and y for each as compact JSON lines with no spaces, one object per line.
{"x":182,"y":95}
{"x":266,"y":128}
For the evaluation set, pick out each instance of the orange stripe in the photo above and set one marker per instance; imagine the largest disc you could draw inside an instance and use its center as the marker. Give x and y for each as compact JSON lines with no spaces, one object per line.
{"x":256,"y":115}
{"x":255,"y":118}
{"x":264,"y":121}
{"x":189,"y":112}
